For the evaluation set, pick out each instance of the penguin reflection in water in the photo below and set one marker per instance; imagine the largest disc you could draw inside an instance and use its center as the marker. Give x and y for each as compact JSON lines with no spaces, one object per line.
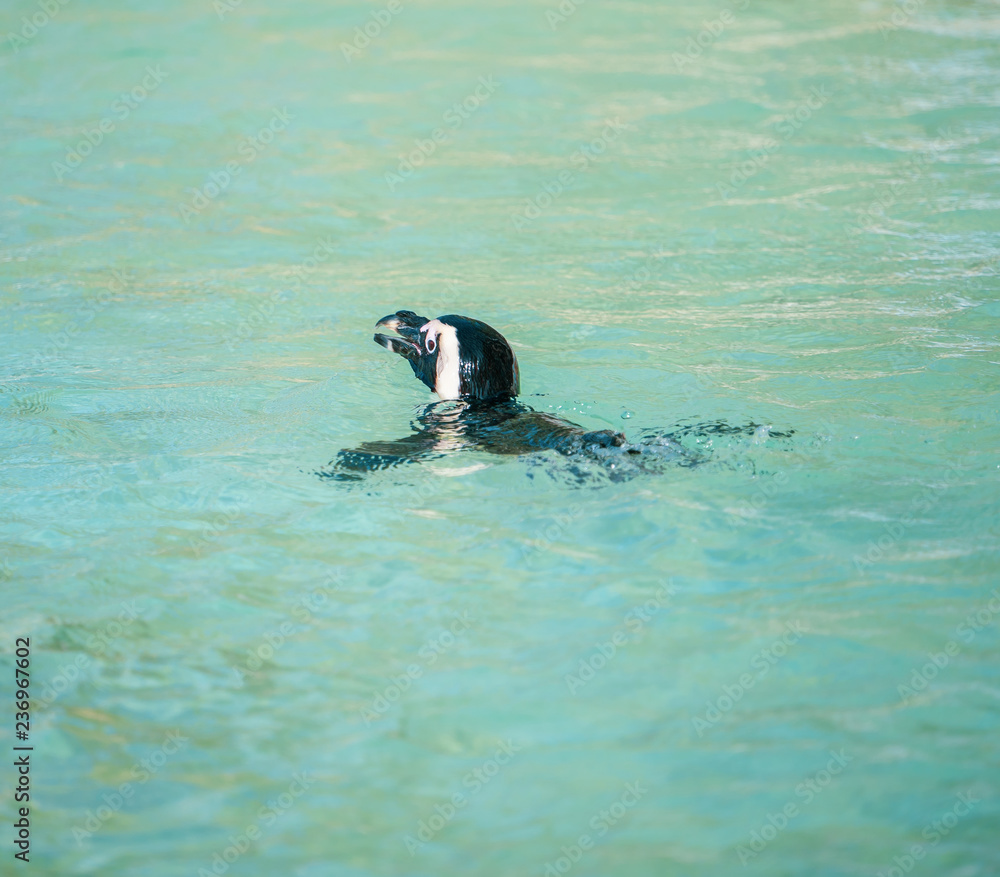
{"x":474,"y":371}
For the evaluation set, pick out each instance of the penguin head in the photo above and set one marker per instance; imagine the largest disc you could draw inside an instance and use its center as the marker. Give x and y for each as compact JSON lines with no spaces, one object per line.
{"x":457,"y":357}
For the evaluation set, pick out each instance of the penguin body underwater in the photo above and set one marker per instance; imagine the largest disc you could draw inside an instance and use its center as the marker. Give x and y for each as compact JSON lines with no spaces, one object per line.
{"x":474,"y":371}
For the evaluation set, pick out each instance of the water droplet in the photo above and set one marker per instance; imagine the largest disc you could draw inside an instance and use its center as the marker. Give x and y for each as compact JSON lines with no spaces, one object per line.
{"x":626,"y":414}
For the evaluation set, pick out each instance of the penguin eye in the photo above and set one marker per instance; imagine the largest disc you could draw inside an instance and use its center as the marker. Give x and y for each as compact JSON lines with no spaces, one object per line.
{"x":431,"y":345}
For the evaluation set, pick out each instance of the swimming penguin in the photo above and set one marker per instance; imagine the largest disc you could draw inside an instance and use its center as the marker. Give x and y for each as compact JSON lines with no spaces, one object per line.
{"x":474,"y":372}
{"x":457,"y":357}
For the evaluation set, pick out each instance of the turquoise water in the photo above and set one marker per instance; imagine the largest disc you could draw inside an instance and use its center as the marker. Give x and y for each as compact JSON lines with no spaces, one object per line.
{"x":784,"y":660}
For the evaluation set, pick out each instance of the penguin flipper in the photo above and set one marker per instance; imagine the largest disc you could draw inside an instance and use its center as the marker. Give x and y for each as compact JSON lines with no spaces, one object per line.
{"x":352,"y":464}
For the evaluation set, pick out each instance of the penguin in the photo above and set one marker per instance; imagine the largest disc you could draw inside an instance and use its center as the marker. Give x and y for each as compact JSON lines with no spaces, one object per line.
{"x":456,"y":357}
{"x":474,"y":372}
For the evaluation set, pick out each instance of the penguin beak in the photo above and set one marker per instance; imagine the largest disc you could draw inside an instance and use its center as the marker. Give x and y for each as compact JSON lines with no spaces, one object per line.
{"x":406,"y":341}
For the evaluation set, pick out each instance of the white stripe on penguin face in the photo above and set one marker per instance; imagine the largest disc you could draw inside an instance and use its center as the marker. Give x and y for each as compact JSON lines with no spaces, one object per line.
{"x":447,"y":382}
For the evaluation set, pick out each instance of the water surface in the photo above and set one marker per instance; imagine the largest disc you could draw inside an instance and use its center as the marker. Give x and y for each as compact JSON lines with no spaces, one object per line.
{"x":795,"y":226}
